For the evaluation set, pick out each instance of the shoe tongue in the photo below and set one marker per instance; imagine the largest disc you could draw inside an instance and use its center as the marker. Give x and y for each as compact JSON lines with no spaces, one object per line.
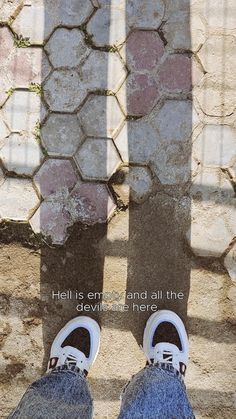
{"x":167,"y":353}
{"x":73,"y":356}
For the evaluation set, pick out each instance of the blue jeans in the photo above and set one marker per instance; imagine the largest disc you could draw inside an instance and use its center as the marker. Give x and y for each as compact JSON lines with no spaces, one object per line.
{"x":154,"y":393}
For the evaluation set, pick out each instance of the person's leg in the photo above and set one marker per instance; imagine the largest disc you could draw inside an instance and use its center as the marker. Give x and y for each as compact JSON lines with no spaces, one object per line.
{"x":63,"y":392}
{"x":158,"y":391}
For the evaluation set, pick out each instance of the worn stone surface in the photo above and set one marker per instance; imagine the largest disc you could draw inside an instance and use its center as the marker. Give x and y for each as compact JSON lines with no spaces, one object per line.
{"x":211,"y":55}
{"x":143,"y":94}
{"x":101,"y":22}
{"x":52,"y":220}
{"x":145,"y":15}
{"x":101,"y":116}
{"x":71,"y":45}
{"x":64,"y":91}
{"x":9,"y":9}
{"x":18,"y":199}
{"x":175,"y":74}
{"x":50,"y":14}
{"x":4,"y":131}
{"x":61,"y":134}
{"x":90,"y":203}
{"x":138,"y":183}
{"x":212,"y":185}
{"x":2,"y":177}
{"x":230,"y":263}
{"x":21,"y":154}
{"x":215,"y":146}
{"x":216,"y":99}
{"x":219,"y":14}
{"x":23,"y":110}
{"x":143,"y":50}
{"x":212,"y":228}
{"x":103,"y":71}
{"x":97,"y":158}
{"x":137,"y":142}
{"x":56,"y":176}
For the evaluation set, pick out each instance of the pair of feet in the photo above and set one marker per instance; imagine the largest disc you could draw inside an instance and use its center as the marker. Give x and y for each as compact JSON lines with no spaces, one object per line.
{"x":159,"y":352}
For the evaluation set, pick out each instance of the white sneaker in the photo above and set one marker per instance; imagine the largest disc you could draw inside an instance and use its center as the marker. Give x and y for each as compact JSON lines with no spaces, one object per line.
{"x":70,"y":355}
{"x":164,"y":352}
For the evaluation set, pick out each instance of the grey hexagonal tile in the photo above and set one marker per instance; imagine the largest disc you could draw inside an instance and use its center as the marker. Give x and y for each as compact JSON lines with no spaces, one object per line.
{"x":64,"y":91}
{"x":21,"y":154}
{"x":103,"y":71}
{"x":97,"y":159}
{"x":73,"y":12}
{"x":18,"y":199}
{"x":145,"y":15}
{"x":108,"y":26}
{"x":215,"y":146}
{"x":101,"y":116}
{"x":137,"y":142}
{"x":136,"y":185}
{"x":22,"y":111}
{"x":218,"y":15}
{"x":66,"y":48}
{"x":212,"y":229}
{"x":61,"y":134}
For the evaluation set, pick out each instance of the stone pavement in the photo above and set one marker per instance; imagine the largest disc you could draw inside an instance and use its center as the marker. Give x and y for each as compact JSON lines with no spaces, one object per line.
{"x":110,"y":108}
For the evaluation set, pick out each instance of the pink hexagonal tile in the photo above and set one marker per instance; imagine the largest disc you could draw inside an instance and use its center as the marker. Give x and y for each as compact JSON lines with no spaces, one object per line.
{"x":52,"y":220}
{"x":6,"y":44}
{"x":55,"y":176}
{"x":139,"y":95}
{"x":176,"y":73}
{"x":91,"y":203}
{"x":143,"y":50}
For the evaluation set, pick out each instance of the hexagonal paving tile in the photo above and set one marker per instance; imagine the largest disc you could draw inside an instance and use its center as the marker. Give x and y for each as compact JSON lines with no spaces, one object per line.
{"x":220,"y":14}
{"x":211,"y":54}
{"x":49,"y":15}
{"x":145,"y":15}
{"x":18,"y":199}
{"x":107,"y":26}
{"x":61,"y":134}
{"x":91,"y":203}
{"x":140,"y":93}
{"x":64,"y":91}
{"x":21,"y":154}
{"x":6,"y":51}
{"x":182,"y":116}
{"x":171,"y":161}
{"x":139,"y":183}
{"x":52,"y":220}
{"x":101,"y":116}
{"x":212,"y":185}
{"x":215,"y":97}
{"x":137,"y":142}
{"x":55,"y":177}
{"x":66,"y":48}
{"x":27,"y":65}
{"x":230,"y":262}
{"x":175,"y":74}
{"x":215,"y":146}
{"x":97,"y":159}
{"x":143,"y":50}
{"x":103,"y":71}
{"x":178,"y":33}
{"x":211,"y":230}
{"x":9,"y":8}
{"x":22,"y":111}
